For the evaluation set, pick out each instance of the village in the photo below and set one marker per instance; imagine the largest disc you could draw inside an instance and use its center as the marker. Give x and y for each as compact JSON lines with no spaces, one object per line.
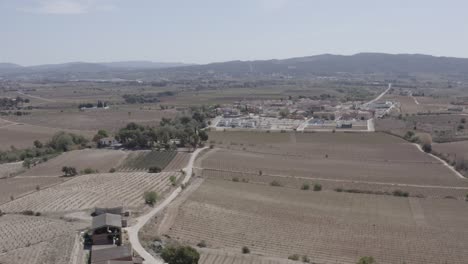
{"x":301,"y":114}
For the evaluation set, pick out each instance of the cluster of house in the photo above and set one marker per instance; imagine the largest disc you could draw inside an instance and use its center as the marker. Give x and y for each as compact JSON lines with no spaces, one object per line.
{"x":105,"y":236}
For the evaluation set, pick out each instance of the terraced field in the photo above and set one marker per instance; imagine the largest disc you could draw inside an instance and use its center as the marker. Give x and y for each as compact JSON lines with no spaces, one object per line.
{"x":88,"y":191}
{"x":329,"y":227}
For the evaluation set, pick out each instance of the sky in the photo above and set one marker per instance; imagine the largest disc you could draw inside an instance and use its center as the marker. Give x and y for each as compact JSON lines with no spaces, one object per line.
{"x":36,"y":32}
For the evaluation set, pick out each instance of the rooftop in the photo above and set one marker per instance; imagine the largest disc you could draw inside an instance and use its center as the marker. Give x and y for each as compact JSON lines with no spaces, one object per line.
{"x":107,"y":220}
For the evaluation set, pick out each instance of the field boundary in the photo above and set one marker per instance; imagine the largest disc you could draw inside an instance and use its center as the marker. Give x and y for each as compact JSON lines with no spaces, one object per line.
{"x":337,"y":180}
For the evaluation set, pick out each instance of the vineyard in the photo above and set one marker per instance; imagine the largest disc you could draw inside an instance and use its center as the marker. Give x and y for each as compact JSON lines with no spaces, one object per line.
{"x":19,"y":186}
{"x":179,"y":162}
{"x":98,"y":159}
{"x":144,"y":160}
{"x":20,"y":231}
{"x":329,"y":227}
{"x":212,"y":257}
{"x":88,"y":191}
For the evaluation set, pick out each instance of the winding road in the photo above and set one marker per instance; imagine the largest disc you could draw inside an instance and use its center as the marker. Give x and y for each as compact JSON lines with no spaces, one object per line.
{"x":142,"y":220}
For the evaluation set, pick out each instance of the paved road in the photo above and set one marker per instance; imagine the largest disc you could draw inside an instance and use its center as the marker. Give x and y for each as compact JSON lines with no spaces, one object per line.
{"x":142,"y":220}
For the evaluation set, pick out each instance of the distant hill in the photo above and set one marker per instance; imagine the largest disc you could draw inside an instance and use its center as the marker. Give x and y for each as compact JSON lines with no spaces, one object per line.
{"x":387,"y":65}
{"x":142,"y":64}
{"x":327,"y":64}
{"x":9,"y":66}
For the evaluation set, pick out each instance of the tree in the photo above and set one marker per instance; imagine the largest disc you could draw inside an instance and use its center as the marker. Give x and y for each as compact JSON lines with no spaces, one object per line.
{"x":245,"y":250}
{"x":284,"y":112}
{"x":427,"y":148}
{"x":366,"y":260}
{"x":69,"y":171}
{"x":38,"y":144}
{"x":180,"y":255}
{"x":100,"y":135}
{"x":150,"y":197}
{"x":317,"y":187}
{"x":154,"y":169}
{"x":203,"y":135}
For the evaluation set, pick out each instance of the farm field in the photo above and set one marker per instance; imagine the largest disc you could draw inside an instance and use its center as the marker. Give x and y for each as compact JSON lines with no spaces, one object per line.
{"x":93,"y":190}
{"x":23,"y":135}
{"x":18,"y":186}
{"x":349,"y":157}
{"x":98,"y":159}
{"x":455,"y":150}
{"x":179,"y":162}
{"x":9,"y":169}
{"x":33,"y":239}
{"x":143,"y":160}
{"x":329,"y":227}
{"x":110,"y":119}
{"x":208,"y":256}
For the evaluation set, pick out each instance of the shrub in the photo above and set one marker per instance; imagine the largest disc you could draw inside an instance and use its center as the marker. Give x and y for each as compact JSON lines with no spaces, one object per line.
{"x":305,"y":187}
{"x":245,"y":250}
{"x":173,"y":180}
{"x":88,"y":171}
{"x":275,"y":183}
{"x":339,"y":190}
{"x":235,"y":179}
{"x":260,"y":172}
{"x":294,"y":257}
{"x":154,"y":169}
{"x":27,"y":212}
{"x":37,"y":214}
{"x":112,"y":170}
{"x":150,"y":197}
{"x":305,"y":259}
{"x":366,"y":260}
{"x":317,"y":187}
{"x":69,"y":171}
{"x":180,"y":255}
{"x":427,"y":148}
{"x":38,"y":187}
{"x":466,"y":197}
{"x":202,"y":244}
{"x":400,"y":193}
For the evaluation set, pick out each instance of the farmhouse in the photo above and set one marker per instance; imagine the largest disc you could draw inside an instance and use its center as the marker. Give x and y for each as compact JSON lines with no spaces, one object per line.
{"x":107,"y":229}
{"x":114,"y":255}
{"x":109,"y":142}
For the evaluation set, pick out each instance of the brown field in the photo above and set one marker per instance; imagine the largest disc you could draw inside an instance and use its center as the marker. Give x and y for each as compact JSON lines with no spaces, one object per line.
{"x":20,"y":186}
{"x":23,"y":135}
{"x":455,"y":150}
{"x":179,"y":162}
{"x":32,"y":239}
{"x":208,"y":256}
{"x":375,"y":158}
{"x":94,"y":119}
{"x":10,"y":169}
{"x":89,"y":191}
{"x":329,"y":227}
{"x":98,"y":159}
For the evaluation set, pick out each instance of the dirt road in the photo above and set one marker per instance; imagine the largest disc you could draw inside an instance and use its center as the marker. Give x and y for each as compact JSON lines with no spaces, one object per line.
{"x":142,"y":220}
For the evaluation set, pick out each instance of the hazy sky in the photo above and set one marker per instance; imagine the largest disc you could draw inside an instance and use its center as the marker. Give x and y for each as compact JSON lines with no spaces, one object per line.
{"x":201,"y":31}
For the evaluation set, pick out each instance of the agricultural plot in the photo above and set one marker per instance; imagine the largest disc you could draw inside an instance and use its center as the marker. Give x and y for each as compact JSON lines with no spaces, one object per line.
{"x":345,"y":157}
{"x":144,"y":160}
{"x":179,"y":162}
{"x":454,"y":150}
{"x":19,"y":231}
{"x":329,"y":227}
{"x":97,"y":159}
{"x":93,"y":190}
{"x":19,"y":186}
{"x":23,"y":135}
{"x":213,"y":257}
{"x":10,"y":169}
{"x":93,"y":119}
